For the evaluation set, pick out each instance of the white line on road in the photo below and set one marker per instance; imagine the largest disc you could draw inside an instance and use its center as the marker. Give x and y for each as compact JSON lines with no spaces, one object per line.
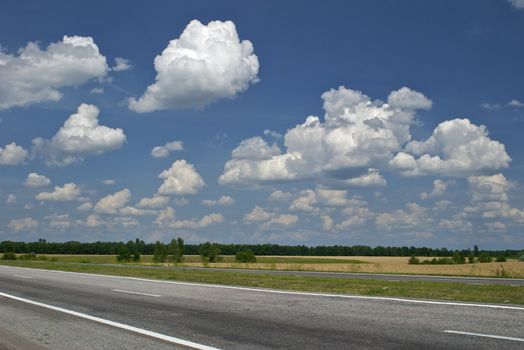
{"x":485,"y":335}
{"x":137,"y":293}
{"x":22,"y":276}
{"x":276,"y":291}
{"x":141,"y":331}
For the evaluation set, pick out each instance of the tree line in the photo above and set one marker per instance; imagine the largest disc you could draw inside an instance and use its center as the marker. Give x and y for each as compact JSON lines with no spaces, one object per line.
{"x":138,"y":246}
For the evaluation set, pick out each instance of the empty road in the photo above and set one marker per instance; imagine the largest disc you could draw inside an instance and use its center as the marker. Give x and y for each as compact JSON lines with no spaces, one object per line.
{"x":59,"y":310}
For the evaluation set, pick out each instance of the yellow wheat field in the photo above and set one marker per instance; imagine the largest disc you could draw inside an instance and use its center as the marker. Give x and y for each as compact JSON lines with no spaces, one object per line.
{"x":511,"y":268}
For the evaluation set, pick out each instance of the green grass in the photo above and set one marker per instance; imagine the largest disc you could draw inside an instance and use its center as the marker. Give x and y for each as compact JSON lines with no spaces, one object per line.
{"x":410,"y":289}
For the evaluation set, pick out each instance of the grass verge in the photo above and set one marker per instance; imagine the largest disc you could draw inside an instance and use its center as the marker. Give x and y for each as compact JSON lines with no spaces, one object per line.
{"x":499,"y":294}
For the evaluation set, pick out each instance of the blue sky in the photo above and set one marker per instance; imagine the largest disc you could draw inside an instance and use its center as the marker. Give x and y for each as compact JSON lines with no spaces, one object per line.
{"x":415,"y":136}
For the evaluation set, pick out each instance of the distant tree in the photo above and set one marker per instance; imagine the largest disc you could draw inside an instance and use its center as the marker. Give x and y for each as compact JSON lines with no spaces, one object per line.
{"x":9,"y":256}
{"x":209,"y":252}
{"x":136,"y":256}
{"x":521,"y":258}
{"x":501,"y":258}
{"x":476,"y":250}
{"x":458,"y":258}
{"x":484,"y":257}
{"x":159,"y":253}
{"x":123,"y":254}
{"x":176,"y":250}
{"x":413,"y":260}
{"x":245,"y":256}
{"x":471,"y":258}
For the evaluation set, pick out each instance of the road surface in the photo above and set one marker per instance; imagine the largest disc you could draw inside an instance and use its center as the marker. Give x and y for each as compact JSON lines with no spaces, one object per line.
{"x":60,"y":310}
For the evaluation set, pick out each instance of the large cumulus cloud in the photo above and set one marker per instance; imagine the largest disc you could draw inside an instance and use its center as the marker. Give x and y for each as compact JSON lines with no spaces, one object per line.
{"x":207,"y":63}
{"x":360,"y":137}
{"x":36,"y":75}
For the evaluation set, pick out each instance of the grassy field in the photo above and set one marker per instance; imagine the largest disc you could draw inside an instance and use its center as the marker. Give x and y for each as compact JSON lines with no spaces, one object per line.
{"x":366,"y":264}
{"x":411,"y":289}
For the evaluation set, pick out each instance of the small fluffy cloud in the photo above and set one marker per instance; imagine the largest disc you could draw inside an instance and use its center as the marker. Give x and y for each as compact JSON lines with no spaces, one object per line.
{"x":456,"y":148}
{"x":279,"y":195}
{"x":519,"y":4}
{"x":68,"y":192}
{"x":36,"y":180}
{"x":85,"y":206}
{"x":163,"y":151}
{"x":108,"y":182}
{"x":25,"y":224}
{"x":112,"y":203}
{"x":181,"y":178}
{"x":121,"y":64}
{"x":80,"y":136}
{"x":205,"y":221}
{"x":156,"y":201}
{"x":207,"y":63}
{"x":36,"y":75}
{"x":224,"y":200}
{"x":414,"y":217}
{"x":97,"y":91}
{"x":268,"y":219}
{"x":489,"y":188}
{"x":11,"y":199}
{"x":12,"y":154}
{"x":515,"y":103}
{"x":439,"y":188}
{"x":165,"y":217}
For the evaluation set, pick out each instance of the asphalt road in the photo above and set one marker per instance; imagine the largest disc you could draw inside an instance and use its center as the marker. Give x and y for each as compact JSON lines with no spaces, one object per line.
{"x":357,"y":275}
{"x":234,"y":317}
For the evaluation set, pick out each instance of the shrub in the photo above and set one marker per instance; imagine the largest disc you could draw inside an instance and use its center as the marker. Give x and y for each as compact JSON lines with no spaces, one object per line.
{"x":458,"y":258}
{"x":209,"y":252}
{"x":9,"y":256}
{"x":484,"y":257}
{"x":31,"y":256}
{"x":501,"y":258}
{"x":413,"y":260}
{"x":160,"y":253}
{"x":245,"y":256}
{"x":123,"y":254}
{"x":521,"y":257}
{"x":136,"y":257}
{"x":471,"y":258}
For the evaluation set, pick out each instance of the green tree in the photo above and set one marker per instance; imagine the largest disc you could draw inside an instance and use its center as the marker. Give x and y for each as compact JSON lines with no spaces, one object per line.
{"x":209,"y":252}
{"x":123,"y":254}
{"x":484,"y":257}
{"x":176,"y":250}
{"x":159,"y":253}
{"x":9,"y":256}
{"x":471,"y":258}
{"x":458,"y":258}
{"x":245,"y":256}
{"x":501,"y":258}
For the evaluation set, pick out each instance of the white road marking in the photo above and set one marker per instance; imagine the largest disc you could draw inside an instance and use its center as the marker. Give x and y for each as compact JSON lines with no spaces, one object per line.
{"x":137,"y":293}
{"x":21,"y":276}
{"x":276,"y":291}
{"x":485,"y":335}
{"x":141,"y":331}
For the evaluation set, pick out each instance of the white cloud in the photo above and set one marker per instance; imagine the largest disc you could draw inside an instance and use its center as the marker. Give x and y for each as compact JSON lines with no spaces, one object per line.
{"x":181,"y":179}
{"x":439,"y":188}
{"x":205,"y":221}
{"x":85,"y":206}
{"x":97,"y":91}
{"x":36,"y":180}
{"x":112,"y":203}
{"x":156,"y":201}
{"x":11,"y":199}
{"x":495,"y":226}
{"x":490,"y":106}
{"x":108,"y":182}
{"x":489,"y":188}
{"x":305,"y":202}
{"x":12,"y":154}
{"x":163,"y":151}
{"x":80,"y":136}
{"x":279,"y":195}
{"x":516,"y":103}
{"x":68,"y":192}
{"x":223,"y":200}
{"x":182,"y":201}
{"x":327,"y":222}
{"x":268,"y":219}
{"x":165,"y":217}
{"x":28,"y":206}
{"x":207,"y":63}
{"x":93,"y":220}
{"x":356,"y":134}
{"x":59,"y":221}
{"x":355,"y":216}
{"x":25,"y":224}
{"x":36,"y":75}
{"x":519,"y":4}
{"x":132,"y":211}
{"x":415,"y":217}
{"x":456,"y":148}
{"x":121,"y":64}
